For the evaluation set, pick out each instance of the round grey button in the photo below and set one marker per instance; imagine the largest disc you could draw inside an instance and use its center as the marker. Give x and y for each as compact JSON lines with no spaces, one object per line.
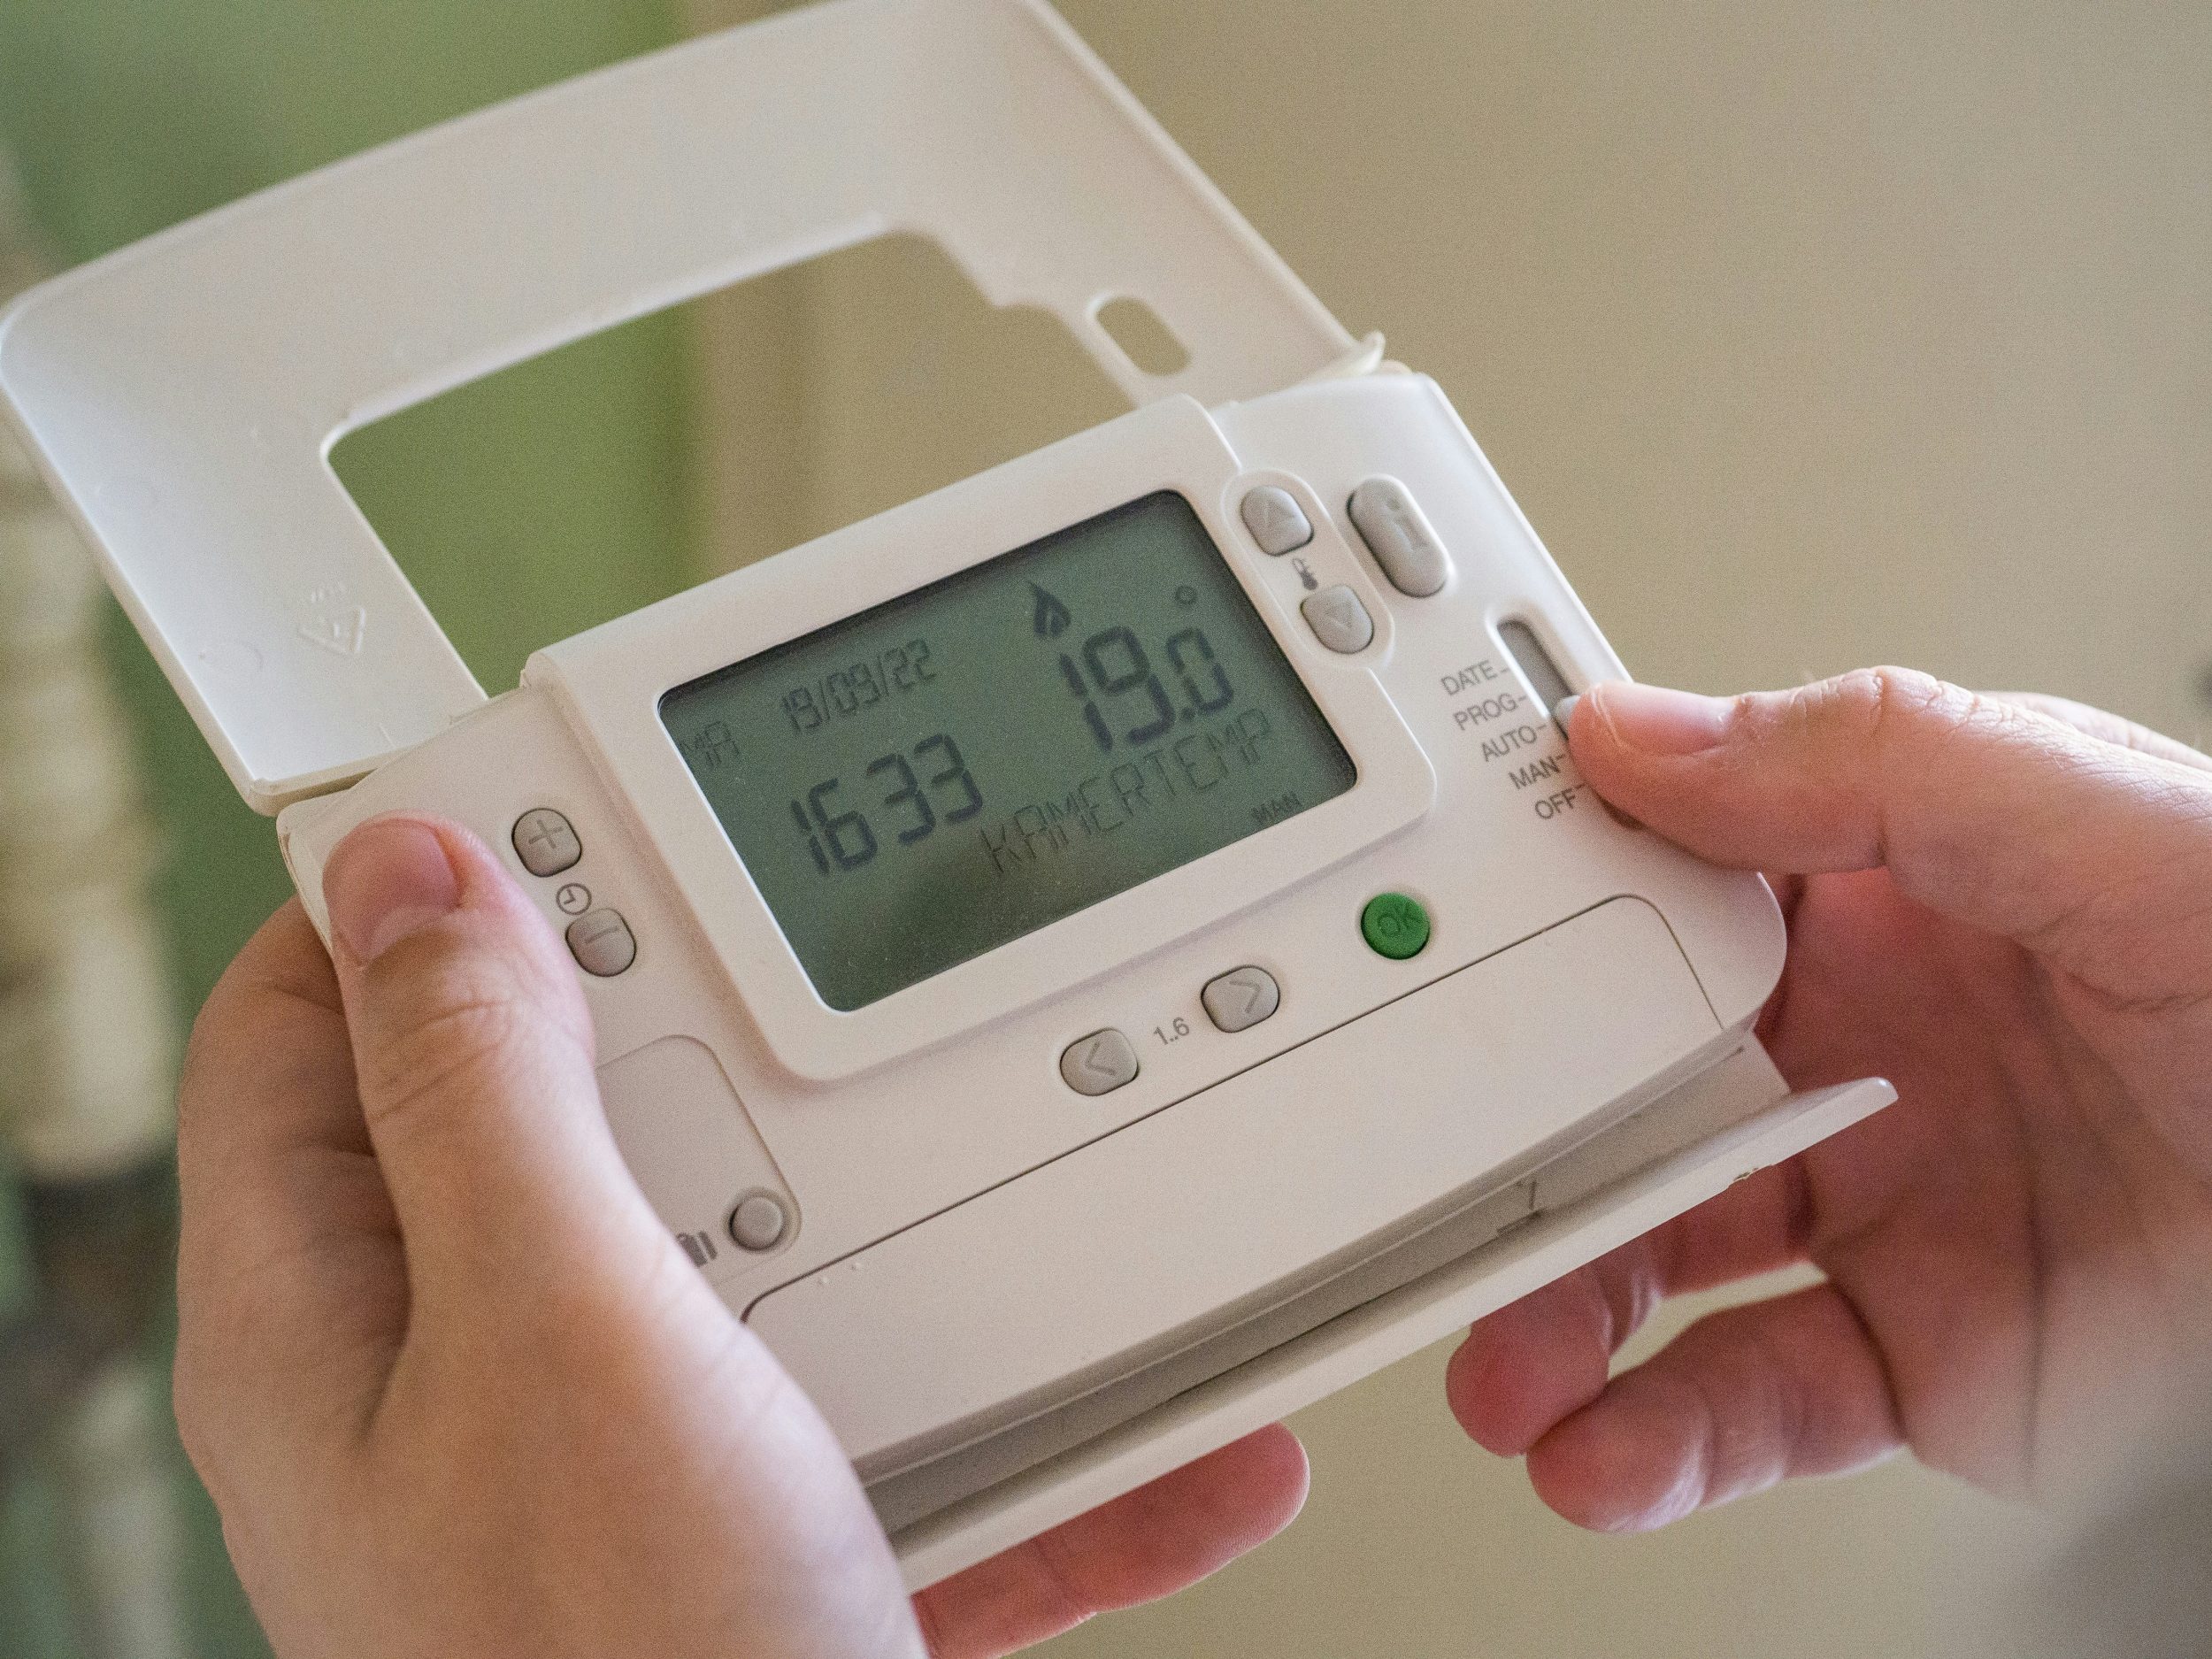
{"x":1277,"y":522}
{"x":1339,"y":620}
{"x":546,"y":843}
{"x":1240,"y":999}
{"x":758,"y":1222}
{"x":602,"y":944}
{"x":1099,"y":1063}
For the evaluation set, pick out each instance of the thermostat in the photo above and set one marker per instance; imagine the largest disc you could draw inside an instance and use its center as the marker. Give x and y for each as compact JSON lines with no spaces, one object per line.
{"x":1084,"y":963}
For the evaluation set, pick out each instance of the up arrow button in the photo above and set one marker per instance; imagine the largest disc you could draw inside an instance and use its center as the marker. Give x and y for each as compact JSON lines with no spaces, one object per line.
{"x":1277,"y":522}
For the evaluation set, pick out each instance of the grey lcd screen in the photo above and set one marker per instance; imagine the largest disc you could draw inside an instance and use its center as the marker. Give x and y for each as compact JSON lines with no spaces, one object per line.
{"x":925,"y":781}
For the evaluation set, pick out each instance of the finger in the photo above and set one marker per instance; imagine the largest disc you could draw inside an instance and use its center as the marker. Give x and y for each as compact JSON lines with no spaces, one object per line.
{"x":1144,"y":1544}
{"x":1993,"y":814}
{"x":2108,"y":728}
{"x":290,"y":1283}
{"x":1742,"y":1400}
{"x":1535,"y":1361}
{"x":1789,"y":892}
{"x":473,"y":1051}
{"x":267,"y":1088}
{"x":1524,"y":1367}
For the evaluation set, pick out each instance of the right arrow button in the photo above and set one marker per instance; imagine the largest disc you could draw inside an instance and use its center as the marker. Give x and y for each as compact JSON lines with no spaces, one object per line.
{"x":1241,"y":998}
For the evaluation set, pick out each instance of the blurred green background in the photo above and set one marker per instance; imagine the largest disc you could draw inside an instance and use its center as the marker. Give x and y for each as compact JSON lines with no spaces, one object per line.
{"x":524,"y":508}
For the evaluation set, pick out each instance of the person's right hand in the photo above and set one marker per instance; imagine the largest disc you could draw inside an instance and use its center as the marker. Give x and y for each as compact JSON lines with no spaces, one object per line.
{"x":2005,"y":906}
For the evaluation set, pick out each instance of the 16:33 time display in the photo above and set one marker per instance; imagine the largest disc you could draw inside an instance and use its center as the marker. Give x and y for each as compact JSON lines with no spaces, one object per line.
{"x":845,"y":840}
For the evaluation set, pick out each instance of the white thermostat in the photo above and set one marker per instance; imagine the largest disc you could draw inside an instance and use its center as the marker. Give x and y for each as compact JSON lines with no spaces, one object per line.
{"x":1084,"y":963}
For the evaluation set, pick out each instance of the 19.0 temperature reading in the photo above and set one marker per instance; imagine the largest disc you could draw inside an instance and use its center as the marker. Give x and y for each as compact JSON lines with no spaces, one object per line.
{"x":1118,"y":666}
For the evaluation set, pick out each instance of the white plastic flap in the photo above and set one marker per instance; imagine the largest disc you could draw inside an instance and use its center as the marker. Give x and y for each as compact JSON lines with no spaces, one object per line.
{"x":183,"y":394}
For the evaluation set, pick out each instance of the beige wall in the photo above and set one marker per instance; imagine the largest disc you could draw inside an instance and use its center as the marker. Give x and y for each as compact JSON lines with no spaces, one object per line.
{"x":1808,"y":336}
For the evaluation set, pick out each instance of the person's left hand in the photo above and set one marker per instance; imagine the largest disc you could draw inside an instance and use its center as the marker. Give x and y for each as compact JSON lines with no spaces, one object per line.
{"x":454,"y":1387}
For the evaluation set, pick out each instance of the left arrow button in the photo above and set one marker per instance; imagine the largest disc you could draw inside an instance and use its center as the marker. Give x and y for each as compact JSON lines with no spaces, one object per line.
{"x":1098,"y":1064}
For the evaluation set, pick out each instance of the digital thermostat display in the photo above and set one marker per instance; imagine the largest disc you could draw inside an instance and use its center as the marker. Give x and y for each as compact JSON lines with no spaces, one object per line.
{"x":929,"y":779}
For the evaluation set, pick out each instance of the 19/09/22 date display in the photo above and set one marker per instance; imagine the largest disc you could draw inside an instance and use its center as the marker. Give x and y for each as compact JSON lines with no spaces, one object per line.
{"x":935,"y":777}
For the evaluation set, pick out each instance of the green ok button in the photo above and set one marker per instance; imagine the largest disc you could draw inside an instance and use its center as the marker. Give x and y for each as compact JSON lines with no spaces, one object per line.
{"x":1395,"y":926}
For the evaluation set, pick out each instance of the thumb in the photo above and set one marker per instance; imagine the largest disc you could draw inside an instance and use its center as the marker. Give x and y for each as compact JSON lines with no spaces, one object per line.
{"x":472,"y":1053}
{"x":1995,"y":815}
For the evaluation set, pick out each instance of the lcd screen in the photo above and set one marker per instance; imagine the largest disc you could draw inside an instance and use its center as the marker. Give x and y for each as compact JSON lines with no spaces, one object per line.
{"x":925,"y":781}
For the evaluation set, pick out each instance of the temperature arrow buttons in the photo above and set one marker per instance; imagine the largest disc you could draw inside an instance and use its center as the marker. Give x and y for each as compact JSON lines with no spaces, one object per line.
{"x":1339,"y":620}
{"x":1099,"y":1063}
{"x":1277,"y":522}
{"x":1242,"y":999}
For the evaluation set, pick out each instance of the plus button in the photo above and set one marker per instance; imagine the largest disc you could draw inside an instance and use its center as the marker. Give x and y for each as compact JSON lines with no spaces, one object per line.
{"x":546,"y":843}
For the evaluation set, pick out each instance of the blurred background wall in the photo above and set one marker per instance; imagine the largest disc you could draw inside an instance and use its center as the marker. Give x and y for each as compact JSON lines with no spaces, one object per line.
{"x":1808,"y":336}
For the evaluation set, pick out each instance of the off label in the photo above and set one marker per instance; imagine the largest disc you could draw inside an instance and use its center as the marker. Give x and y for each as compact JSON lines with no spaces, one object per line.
{"x":1562,"y":802}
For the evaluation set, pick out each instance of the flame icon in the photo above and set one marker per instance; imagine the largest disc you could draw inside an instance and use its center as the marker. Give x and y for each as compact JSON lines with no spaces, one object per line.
{"x":1051,"y":616}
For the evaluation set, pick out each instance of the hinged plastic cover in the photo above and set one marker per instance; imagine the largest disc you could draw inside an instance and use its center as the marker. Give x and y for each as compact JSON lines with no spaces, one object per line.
{"x":183,"y":394}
